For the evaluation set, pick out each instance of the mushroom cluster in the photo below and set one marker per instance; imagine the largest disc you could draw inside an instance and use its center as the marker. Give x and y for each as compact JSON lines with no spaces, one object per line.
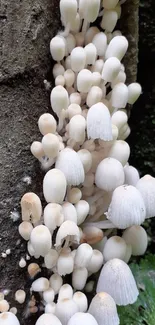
{"x":89,"y":187}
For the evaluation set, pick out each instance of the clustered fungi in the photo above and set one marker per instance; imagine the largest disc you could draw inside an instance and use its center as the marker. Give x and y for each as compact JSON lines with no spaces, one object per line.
{"x":89,"y":185}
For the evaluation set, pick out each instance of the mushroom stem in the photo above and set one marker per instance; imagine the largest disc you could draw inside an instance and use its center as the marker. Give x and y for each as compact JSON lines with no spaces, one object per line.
{"x":85,"y":26}
{"x":66,"y":30}
{"x":105,"y":224}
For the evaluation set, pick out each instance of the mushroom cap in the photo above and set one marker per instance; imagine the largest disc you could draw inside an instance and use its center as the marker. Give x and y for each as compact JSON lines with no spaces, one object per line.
{"x":136,"y":236}
{"x":109,"y":20}
{"x":146,"y":186}
{"x":68,"y":228}
{"x":8,"y":318}
{"x":82,"y":319}
{"x":131,"y":175}
{"x":109,"y":174}
{"x":49,"y":319}
{"x":99,"y":123}
{"x":70,"y":164}
{"x":59,"y":99}
{"x":100,"y":42}
{"x":115,"y":247}
{"x":117,"y":280}
{"x":54,"y":186}
{"x":117,"y":47}
{"x":65,"y":309}
{"x":31,"y":207}
{"x":41,"y":240}
{"x":103,"y":308}
{"x":127,"y":207}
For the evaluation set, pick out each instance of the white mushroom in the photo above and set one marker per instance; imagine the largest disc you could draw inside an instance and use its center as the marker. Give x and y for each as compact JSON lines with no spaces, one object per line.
{"x":57,"y":48}
{"x":120,"y":212}
{"x":109,"y":174}
{"x":99,"y":123}
{"x":79,"y":278}
{"x":49,"y":319}
{"x":66,"y":292}
{"x":56,"y":282}
{"x":41,"y":240}
{"x":117,"y":48}
{"x":54,"y":186}
{"x":134,"y":91}
{"x":68,"y":231}
{"x":82,"y":319}
{"x":115,"y":247}
{"x":131,"y":175}
{"x":136,"y":236}
{"x":65,"y":262}
{"x":117,"y":280}
{"x":146,"y":186}
{"x":8,"y":318}
{"x":83,"y":255}
{"x":103,"y":308}
{"x":81,"y":301}
{"x":95,"y":262}
{"x":53,"y":216}
{"x":70,"y":164}
{"x":47,"y":124}
{"x":82,"y":209}
{"x":41,"y":284}
{"x":25,"y":229}
{"x":51,"y":258}
{"x":100,"y":42}
{"x":65,"y":309}
{"x":109,"y":20}
{"x":31,"y":207}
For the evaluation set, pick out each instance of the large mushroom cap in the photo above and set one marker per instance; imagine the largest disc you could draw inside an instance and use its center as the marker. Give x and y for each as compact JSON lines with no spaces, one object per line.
{"x":117,"y":280}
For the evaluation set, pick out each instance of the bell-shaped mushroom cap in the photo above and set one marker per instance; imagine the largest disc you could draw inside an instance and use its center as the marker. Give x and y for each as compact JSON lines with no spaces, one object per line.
{"x":117,"y":48}
{"x":103,"y":308}
{"x":131,"y":175}
{"x":31,"y":207}
{"x":119,"y":96}
{"x":100,"y":42}
{"x":134,"y":90}
{"x":84,"y":80}
{"x":115,"y":247}
{"x":109,"y":20}
{"x":49,"y":319}
{"x":57,"y":48}
{"x":59,"y":99}
{"x":111,"y":69}
{"x":146,"y":186}
{"x":127,"y":207}
{"x":136,"y":236}
{"x":41,"y":240}
{"x":109,"y":174}
{"x":8,"y":318}
{"x":99,"y":123}
{"x":65,"y":309}
{"x":68,"y":230}
{"x":54,"y":186}
{"x":68,"y":10}
{"x":117,"y":280}
{"x":120,"y":150}
{"x":70,"y":164}
{"x":82,"y":319}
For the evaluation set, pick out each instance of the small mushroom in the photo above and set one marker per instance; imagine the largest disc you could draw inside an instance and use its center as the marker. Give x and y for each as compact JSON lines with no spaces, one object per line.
{"x":68,"y":232}
{"x":54,"y":186}
{"x":120,"y":212}
{"x":69,"y":163}
{"x":82,"y":319}
{"x":65,"y":309}
{"x":136,"y":237}
{"x":49,"y":319}
{"x":99,"y":123}
{"x":115,"y":247}
{"x":81,"y":301}
{"x":146,"y":186}
{"x":117,"y":48}
{"x":31,"y":207}
{"x":8,"y":318}
{"x":41,"y":240}
{"x":103,"y":308}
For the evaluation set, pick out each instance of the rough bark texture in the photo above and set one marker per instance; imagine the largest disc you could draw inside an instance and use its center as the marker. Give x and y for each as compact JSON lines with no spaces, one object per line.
{"x":26,"y":28}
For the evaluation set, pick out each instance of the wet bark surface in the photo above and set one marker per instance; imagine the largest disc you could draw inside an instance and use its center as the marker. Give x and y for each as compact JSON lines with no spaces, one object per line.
{"x":26,"y":28}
